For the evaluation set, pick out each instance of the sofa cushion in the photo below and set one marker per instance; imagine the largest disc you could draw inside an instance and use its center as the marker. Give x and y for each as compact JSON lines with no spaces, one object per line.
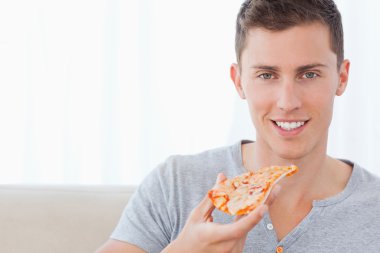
{"x":55,"y":219}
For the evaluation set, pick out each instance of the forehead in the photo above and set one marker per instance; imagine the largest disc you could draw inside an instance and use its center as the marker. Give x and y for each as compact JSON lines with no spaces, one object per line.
{"x":298,"y":45}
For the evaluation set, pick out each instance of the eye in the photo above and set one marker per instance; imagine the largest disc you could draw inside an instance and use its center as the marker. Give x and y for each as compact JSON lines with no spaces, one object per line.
{"x":266,"y":76}
{"x":309,"y":75}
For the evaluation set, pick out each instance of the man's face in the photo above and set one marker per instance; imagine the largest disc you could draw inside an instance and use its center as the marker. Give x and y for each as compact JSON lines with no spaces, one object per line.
{"x":289,"y":79}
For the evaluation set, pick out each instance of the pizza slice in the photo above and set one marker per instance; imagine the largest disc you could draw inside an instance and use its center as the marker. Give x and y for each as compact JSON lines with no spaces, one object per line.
{"x":243,"y":193}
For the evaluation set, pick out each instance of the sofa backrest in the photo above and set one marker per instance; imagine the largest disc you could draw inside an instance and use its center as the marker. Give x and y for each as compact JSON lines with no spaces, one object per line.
{"x":59,"y":219}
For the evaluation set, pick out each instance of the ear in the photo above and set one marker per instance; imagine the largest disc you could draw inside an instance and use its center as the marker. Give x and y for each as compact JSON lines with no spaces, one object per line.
{"x":343,"y":77}
{"x":235,"y":77}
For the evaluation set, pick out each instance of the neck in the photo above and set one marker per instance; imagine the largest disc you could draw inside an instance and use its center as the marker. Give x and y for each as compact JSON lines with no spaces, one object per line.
{"x":318,"y":176}
{"x":310,"y":162}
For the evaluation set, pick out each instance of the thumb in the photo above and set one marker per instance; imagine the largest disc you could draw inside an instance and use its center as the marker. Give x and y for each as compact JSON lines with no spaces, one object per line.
{"x":243,"y":225}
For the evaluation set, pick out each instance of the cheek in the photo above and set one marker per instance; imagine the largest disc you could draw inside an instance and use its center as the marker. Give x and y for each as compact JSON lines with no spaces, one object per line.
{"x":258,"y":97}
{"x":321,"y":106}
{"x":259,"y":105}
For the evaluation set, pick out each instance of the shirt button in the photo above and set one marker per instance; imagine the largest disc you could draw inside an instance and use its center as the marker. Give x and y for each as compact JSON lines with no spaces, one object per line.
{"x":270,"y":226}
{"x":279,"y":249}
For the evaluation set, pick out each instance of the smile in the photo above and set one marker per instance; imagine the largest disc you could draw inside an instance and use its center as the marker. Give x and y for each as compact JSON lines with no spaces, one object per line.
{"x":289,"y":126}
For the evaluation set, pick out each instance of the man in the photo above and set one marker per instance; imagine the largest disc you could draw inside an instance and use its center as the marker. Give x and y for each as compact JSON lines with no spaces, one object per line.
{"x":290,"y":67}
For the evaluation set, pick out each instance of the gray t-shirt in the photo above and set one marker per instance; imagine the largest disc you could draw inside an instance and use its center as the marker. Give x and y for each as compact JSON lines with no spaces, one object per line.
{"x":155,"y":215}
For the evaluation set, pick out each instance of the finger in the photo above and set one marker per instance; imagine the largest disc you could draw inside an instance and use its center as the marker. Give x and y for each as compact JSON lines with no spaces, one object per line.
{"x":273,"y":194}
{"x":247,"y":222}
{"x":204,"y":209}
{"x":238,"y":217}
{"x":220,"y":178}
{"x":208,"y":207}
{"x":243,"y":224}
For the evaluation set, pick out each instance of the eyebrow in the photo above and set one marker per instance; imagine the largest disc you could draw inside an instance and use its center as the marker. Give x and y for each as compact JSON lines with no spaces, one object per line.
{"x":299,"y":69}
{"x":310,"y":66}
{"x":265,"y":67}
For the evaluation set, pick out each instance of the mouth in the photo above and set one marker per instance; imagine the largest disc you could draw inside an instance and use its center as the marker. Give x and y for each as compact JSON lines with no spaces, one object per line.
{"x":289,"y":127}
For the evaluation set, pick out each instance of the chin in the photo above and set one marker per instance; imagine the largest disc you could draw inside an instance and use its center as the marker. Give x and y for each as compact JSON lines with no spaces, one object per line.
{"x":291,"y":152}
{"x":291,"y":156}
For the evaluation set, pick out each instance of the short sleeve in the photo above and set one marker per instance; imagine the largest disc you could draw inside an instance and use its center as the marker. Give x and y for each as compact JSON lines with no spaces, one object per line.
{"x":145,"y":221}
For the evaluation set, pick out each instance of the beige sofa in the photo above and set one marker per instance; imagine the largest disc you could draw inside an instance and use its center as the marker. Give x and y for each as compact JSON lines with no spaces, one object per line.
{"x":57,"y":219}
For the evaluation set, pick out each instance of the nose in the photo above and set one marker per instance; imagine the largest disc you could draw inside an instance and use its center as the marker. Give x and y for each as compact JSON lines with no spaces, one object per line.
{"x":288,"y":97}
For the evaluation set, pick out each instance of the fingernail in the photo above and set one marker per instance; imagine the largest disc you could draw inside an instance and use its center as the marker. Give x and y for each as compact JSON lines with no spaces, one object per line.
{"x":218,"y":177}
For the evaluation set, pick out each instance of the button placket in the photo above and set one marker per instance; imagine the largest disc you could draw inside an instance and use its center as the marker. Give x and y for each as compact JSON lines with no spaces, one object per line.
{"x":270,"y":233}
{"x":279,"y":249}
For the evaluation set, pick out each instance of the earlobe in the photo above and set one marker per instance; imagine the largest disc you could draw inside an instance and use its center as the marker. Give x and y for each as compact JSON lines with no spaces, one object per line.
{"x":343,"y":77}
{"x":341,"y":89}
{"x":235,"y":77}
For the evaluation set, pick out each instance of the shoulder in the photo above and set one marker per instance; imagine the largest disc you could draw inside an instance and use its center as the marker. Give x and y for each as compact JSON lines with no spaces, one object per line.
{"x":367,"y":178}
{"x":192,"y":175}
{"x":367,"y":187}
{"x":200,"y":165}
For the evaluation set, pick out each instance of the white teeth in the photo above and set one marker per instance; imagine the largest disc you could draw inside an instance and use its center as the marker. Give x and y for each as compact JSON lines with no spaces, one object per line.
{"x":290,"y":125}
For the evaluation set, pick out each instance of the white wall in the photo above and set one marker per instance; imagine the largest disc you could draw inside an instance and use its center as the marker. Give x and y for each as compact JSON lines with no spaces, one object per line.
{"x":102,"y":91}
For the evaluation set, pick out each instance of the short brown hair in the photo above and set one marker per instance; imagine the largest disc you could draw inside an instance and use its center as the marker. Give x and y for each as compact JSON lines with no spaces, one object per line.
{"x":278,"y":15}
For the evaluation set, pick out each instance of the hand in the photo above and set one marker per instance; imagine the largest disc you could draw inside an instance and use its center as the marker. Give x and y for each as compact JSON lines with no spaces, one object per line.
{"x":201,"y":234}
